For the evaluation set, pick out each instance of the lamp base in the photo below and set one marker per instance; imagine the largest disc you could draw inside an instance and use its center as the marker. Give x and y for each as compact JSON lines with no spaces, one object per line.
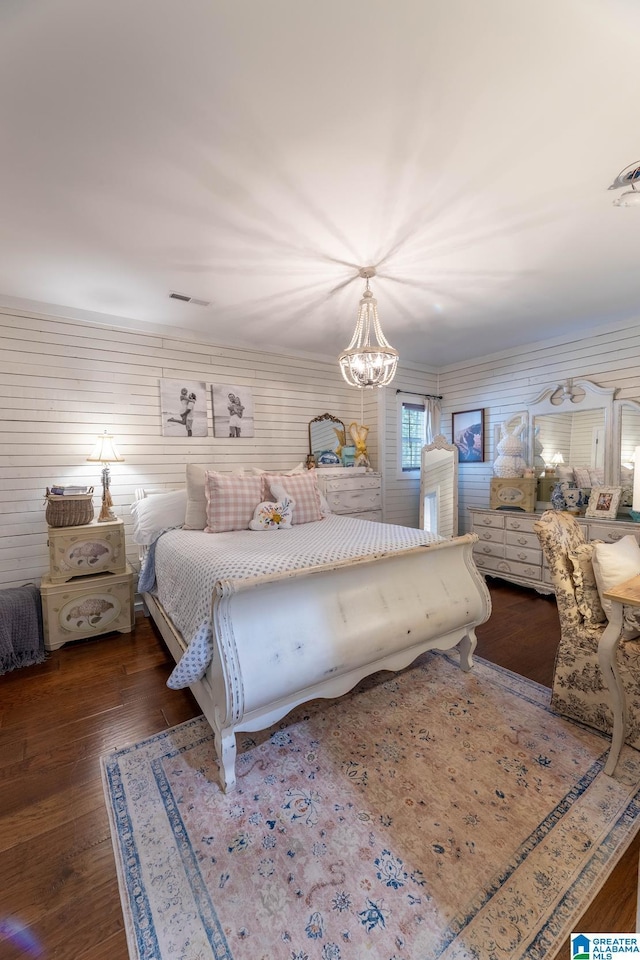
{"x":106,"y":511}
{"x":635,"y":515}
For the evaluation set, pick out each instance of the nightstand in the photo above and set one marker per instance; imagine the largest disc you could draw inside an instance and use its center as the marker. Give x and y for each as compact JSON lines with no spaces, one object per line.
{"x":86,"y":550}
{"x":89,"y":590}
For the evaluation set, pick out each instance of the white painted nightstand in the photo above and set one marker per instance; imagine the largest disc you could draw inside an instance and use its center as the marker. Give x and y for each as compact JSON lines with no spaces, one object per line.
{"x":89,"y":589}
{"x":85,"y":550}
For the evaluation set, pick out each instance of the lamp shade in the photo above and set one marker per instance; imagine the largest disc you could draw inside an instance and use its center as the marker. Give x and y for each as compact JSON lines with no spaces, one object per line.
{"x":557,"y":458}
{"x":105,"y":450}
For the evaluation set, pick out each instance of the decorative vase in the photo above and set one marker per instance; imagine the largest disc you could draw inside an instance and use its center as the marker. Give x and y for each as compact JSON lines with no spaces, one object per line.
{"x":572,"y":497}
{"x":558,"y":501}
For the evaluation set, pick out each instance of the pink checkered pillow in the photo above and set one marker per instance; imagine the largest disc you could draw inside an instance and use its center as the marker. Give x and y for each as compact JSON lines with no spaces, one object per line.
{"x":303,"y":489}
{"x":231,"y":501}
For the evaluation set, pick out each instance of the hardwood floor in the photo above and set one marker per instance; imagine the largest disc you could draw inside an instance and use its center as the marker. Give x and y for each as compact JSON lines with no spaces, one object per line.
{"x":59,"y":895}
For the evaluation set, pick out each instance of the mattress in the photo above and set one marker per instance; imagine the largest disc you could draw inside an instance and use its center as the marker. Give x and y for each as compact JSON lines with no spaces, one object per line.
{"x":189,"y":562}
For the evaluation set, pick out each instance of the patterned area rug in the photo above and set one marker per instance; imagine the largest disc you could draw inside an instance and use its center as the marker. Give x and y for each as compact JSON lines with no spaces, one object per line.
{"x":429,"y":814}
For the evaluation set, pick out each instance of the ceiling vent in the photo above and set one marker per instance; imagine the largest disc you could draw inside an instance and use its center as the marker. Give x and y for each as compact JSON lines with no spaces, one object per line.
{"x":185,"y":299}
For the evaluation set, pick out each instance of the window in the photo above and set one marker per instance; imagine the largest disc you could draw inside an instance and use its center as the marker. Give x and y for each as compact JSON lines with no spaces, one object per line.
{"x":411,"y":432}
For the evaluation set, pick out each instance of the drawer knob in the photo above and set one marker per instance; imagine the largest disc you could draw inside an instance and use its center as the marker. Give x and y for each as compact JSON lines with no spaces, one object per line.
{"x":522,"y":556}
{"x":486,"y":549}
{"x":522,"y":541}
{"x":515,"y":524}
{"x":486,"y":521}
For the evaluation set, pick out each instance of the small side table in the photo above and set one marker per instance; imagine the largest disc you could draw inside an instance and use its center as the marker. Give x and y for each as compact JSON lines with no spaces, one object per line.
{"x":624,"y":594}
{"x":86,"y":607}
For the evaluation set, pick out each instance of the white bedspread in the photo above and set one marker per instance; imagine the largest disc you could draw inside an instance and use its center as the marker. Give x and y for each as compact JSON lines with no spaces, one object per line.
{"x":188,"y":563}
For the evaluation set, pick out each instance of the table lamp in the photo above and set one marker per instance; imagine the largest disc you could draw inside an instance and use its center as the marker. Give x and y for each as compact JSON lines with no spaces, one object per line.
{"x":105,"y":452}
{"x":553,"y":463}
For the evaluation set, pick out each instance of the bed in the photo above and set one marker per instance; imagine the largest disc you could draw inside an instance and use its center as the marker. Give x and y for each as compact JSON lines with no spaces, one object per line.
{"x":335,"y":601}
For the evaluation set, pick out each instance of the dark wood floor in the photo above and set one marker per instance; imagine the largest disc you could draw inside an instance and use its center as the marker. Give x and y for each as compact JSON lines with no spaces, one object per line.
{"x":58,"y":883}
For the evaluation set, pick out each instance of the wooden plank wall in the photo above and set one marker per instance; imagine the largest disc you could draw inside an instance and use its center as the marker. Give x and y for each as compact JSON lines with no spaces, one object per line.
{"x":505,"y":383}
{"x":62,"y":382}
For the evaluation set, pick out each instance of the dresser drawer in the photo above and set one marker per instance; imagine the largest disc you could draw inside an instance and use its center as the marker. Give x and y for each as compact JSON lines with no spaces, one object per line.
{"x":354,"y":501}
{"x":488,"y":549}
{"x":520,"y":538}
{"x":521,"y":524}
{"x":481,"y":520}
{"x":86,"y":607}
{"x":359,"y":482}
{"x":524,"y":555}
{"x":611,"y":532}
{"x":510,"y":568}
{"x":86,"y":550}
{"x":490,"y":534}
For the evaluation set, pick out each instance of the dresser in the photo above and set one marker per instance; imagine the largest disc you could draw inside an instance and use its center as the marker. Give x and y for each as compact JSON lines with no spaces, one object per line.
{"x":508,"y":546}
{"x":89,"y":589}
{"x":352,"y":490}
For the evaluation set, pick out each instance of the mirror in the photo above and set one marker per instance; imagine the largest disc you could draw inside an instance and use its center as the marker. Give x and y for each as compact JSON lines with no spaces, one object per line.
{"x":627,"y":438}
{"x":571,"y":423}
{"x":326,"y":438}
{"x":578,"y":436}
{"x":439,"y":488}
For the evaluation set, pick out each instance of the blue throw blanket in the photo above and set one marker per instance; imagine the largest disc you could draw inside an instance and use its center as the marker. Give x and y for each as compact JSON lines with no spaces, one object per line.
{"x":21,"y":634}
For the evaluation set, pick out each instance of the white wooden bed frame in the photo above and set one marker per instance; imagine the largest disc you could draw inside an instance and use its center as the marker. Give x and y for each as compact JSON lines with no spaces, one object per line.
{"x":283,"y":639}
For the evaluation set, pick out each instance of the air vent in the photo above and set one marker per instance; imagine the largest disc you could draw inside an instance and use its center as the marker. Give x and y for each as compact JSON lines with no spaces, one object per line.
{"x":185,"y":299}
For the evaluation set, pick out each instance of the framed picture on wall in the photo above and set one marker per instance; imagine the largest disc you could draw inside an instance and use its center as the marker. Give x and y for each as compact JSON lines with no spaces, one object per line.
{"x":232,"y":411}
{"x":467,"y":433}
{"x":184,"y":408}
{"x":603,"y":502}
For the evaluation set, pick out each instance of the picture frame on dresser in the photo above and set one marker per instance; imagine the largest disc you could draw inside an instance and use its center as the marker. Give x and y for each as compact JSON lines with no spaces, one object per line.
{"x":603,"y":503}
{"x":467,"y":433}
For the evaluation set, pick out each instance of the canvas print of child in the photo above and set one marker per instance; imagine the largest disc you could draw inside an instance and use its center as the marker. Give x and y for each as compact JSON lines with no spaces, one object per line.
{"x":232,"y":411}
{"x":184,"y":408}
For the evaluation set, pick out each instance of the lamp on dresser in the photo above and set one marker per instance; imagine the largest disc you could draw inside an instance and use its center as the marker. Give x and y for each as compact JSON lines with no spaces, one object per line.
{"x":105,"y":452}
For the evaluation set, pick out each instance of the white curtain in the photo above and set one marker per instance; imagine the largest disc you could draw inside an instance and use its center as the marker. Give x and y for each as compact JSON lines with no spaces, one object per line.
{"x":432,"y":410}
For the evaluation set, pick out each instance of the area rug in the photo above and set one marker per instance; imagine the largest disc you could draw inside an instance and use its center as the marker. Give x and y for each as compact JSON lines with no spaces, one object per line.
{"x":428,"y":814}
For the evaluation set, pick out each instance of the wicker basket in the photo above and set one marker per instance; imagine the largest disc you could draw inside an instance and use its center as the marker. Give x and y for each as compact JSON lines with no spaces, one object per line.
{"x":71,"y":511}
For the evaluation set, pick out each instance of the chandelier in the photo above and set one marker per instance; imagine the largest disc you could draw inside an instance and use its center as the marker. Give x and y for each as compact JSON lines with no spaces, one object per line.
{"x":363,"y":364}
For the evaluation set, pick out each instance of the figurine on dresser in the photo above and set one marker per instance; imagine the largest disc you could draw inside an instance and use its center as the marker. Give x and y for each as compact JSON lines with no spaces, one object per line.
{"x":510,"y":463}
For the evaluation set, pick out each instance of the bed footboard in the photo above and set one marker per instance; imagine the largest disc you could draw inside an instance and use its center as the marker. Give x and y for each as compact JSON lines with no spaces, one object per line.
{"x":282,"y":640}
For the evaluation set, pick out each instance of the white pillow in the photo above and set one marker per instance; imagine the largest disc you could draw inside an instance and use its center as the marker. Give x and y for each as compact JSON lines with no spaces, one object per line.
{"x":614,"y":563}
{"x":274,"y":516}
{"x":196,"y":516}
{"x":299,"y":468}
{"x":564,"y":471}
{"x":156,"y":513}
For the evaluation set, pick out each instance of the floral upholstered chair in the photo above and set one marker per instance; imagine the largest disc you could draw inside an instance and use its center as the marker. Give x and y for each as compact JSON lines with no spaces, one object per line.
{"x":578,"y":690}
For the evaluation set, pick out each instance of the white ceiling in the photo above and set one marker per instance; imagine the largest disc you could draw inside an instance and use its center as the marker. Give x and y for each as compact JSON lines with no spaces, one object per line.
{"x":256,"y":153}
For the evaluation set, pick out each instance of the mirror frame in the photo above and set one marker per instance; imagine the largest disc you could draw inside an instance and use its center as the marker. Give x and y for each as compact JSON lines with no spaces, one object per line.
{"x":595,"y":398}
{"x":440,"y":442}
{"x":618,"y":407}
{"x":324,"y":416}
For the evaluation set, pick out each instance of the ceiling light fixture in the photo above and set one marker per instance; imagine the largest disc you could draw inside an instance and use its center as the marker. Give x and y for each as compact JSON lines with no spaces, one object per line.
{"x":364,"y":364}
{"x":630,"y":175}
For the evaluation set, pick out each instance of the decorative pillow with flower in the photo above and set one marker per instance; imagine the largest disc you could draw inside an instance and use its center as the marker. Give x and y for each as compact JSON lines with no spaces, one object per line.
{"x":274,"y":516}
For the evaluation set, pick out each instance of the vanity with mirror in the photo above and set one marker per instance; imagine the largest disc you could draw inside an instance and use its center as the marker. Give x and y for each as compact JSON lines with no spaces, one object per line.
{"x":350,"y":490}
{"x":576,"y":432}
